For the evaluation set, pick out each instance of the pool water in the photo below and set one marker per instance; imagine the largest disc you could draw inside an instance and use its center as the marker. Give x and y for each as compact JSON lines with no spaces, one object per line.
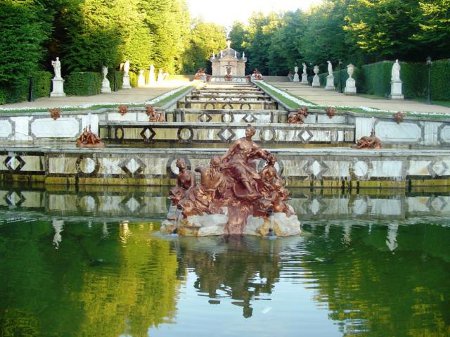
{"x":72,"y":275}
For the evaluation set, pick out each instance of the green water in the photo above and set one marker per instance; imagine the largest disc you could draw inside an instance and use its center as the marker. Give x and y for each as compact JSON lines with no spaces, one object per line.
{"x":84,"y":275}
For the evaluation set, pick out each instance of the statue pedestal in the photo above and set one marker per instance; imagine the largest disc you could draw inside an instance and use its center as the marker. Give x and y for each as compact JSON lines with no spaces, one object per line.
{"x":126,"y":82}
{"x":330,"y":83}
{"x":296,"y":78}
{"x":106,"y":88}
{"x":304,"y":79}
{"x":350,"y":88}
{"x":396,"y":90}
{"x":278,"y":224}
{"x":316,"y":81}
{"x":58,"y":88}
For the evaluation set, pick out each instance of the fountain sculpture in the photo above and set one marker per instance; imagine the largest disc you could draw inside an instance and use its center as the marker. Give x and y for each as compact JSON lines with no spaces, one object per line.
{"x":232,"y":197}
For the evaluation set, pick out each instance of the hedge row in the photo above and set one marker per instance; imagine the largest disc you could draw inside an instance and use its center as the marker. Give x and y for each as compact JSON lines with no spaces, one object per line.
{"x":36,"y":86}
{"x":440,"y":80}
{"x":90,"y":83}
{"x":375,"y":79}
{"x":83,"y":83}
{"x":76,"y":84}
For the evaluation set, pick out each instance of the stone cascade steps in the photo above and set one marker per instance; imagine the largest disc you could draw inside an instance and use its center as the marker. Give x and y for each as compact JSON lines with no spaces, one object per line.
{"x":223,"y":121}
{"x":228,"y":116}
{"x":288,"y":135}
{"x":239,"y":97}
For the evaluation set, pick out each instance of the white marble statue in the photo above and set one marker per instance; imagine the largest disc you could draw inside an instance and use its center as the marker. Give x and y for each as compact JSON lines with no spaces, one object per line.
{"x":330,"y":78}
{"x":395,"y":74}
{"x":304,"y":74}
{"x":396,"y":82}
{"x":160,"y":76}
{"x":350,"y":84}
{"x":152,"y":74}
{"x":57,"y":81}
{"x":141,"y":79}
{"x":106,"y":88}
{"x":126,"y":67}
{"x":126,"y":77}
{"x":296,"y":77}
{"x":57,"y":68}
{"x":316,"y":79}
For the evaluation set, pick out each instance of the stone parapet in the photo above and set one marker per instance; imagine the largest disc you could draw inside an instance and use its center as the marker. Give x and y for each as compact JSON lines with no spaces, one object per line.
{"x":328,"y":167}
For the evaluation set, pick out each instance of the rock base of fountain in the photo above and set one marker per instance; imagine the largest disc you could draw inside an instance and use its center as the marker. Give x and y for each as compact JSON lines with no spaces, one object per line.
{"x":277,"y":224}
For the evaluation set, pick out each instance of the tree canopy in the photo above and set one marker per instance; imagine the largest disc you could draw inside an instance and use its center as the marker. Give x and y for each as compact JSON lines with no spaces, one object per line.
{"x":89,"y":34}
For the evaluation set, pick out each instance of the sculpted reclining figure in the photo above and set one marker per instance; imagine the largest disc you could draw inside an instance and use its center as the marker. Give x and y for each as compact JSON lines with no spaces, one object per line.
{"x":233,"y":181}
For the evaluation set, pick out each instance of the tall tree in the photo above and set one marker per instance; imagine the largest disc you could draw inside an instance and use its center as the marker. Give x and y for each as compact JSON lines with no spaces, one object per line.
{"x":434,"y":27}
{"x":260,"y":32}
{"x":286,"y":46}
{"x":205,"y":39}
{"x":168,"y":22}
{"x":383,"y":28}
{"x":24,"y":29}
{"x":94,"y":40}
{"x":237,"y":35}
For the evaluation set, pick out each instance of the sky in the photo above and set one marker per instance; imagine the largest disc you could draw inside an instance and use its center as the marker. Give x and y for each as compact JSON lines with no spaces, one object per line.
{"x":225,"y":12}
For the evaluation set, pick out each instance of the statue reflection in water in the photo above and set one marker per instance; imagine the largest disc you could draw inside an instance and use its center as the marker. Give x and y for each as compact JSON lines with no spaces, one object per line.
{"x":236,"y":269}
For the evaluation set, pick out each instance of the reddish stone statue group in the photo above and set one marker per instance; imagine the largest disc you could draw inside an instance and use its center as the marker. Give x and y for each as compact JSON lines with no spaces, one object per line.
{"x":232,"y":184}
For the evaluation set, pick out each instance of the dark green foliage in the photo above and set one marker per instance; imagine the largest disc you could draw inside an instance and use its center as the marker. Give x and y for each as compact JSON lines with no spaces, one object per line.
{"x":440,"y":79}
{"x":340,"y":76}
{"x":383,"y":29}
{"x":205,"y":39}
{"x":434,"y":27}
{"x":16,"y":93}
{"x":115,"y":79}
{"x":133,"y":79}
{"x":23,"y":32}
{"x":83,"y":83}
{"x":414,"y":78}
{"x":376,"y":79}
{"x":41,"y":84}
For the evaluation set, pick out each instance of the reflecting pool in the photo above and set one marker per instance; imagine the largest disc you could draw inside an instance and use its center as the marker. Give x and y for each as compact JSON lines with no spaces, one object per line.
{"x":72,"y":266}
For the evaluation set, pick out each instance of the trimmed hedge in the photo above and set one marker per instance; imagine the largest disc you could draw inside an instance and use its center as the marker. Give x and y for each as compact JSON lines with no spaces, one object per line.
{"x":20,"y":91}
{"x":376,"y":79}
{"x":42,"y":84}
{"x":83,"y":84}
{"x":115,"y":78}
{"x":440,"y":80}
